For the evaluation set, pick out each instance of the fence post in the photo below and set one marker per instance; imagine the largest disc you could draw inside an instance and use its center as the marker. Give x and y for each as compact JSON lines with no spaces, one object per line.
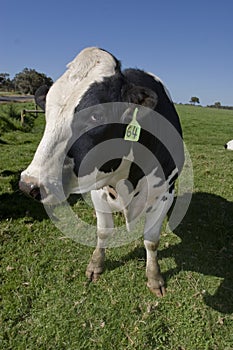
{"x":23,"y":113}
{"x":36,"y":111}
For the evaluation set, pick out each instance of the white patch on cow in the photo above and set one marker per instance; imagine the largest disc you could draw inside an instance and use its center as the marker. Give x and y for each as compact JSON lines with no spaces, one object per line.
{"x":229,"y":145}
{"x":98,"y":179}
{"x":91,"y":65}
{"x":134,"y":207}
{"x":149,"y":196}
{"x":159,"y":80}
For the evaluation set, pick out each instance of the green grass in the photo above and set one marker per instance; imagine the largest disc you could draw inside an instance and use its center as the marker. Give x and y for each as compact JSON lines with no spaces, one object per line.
{"x":10,"y":118}
{"x":47,"y":302}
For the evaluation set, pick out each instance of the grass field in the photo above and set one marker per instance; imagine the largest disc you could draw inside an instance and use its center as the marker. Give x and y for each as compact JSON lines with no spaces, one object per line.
{"x":47,"y":302}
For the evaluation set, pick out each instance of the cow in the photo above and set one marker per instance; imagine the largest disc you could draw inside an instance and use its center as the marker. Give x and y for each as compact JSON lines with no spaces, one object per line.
{"x":136,"y":150}
{"x":229,"y":145}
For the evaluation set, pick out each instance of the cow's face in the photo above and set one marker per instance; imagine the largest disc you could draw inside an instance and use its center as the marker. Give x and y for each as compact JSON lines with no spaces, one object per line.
{"x":83,"y":142}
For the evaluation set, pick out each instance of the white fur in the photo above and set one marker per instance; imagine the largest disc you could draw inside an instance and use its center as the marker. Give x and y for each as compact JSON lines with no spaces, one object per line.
{"x":91,"y":65}
{"x":135,"y":207}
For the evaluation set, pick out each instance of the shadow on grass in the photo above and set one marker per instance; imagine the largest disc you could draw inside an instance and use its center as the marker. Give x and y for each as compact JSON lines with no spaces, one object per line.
{"x":206,"y":235}
{"x":206,"y":246}
{"x":16,"y":205}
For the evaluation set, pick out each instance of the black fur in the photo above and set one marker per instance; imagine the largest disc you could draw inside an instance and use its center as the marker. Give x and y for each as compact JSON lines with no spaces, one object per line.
{"x":134,"y":86}
{"x":137,"y":87}
{"x":40,"y":96}
{"x":164,"y":106}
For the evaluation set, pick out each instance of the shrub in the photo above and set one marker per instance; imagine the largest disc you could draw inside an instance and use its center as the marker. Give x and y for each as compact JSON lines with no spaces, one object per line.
{"x":10,"y":118}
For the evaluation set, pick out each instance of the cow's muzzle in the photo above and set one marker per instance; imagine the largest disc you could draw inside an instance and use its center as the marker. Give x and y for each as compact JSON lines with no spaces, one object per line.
{"x":32,"y":190}
{"x":49,"y":193}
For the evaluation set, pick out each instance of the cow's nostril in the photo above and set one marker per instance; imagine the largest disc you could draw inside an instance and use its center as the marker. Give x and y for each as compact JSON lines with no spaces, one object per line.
{"x":35,"y":193}
{"x":30,"y":189}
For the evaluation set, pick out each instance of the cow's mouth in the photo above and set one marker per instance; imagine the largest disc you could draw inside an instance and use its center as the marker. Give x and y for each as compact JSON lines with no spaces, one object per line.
{"x":30,"y":189}
{"x":35,"y":193}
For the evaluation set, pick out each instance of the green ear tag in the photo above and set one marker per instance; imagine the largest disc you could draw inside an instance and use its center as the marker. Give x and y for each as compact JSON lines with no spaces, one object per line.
{"x":133,"y":130}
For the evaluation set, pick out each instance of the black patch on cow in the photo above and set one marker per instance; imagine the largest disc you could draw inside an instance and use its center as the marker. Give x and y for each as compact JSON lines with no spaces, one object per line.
{"x":40,"y":96}
{"x":161,"y":182}
{"x":173,"y":179}
{"x":109,"y":90}
{"x":111,"y":195}
{"x":171,"y":188}
{"x":164,"y":106}
{"x":111,"y":165}
{"x":92,"y":138}
{"x":112,"y":89}
{"x":162,"y":159}
{"x":135,"y":174}
{"x":149,"y":209}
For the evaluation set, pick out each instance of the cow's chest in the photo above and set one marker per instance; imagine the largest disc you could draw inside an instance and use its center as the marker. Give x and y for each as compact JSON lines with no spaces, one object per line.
{"x":135,"y":202}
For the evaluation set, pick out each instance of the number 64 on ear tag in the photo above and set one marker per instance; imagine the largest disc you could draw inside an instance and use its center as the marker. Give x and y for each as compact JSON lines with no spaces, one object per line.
{"x":133,"y":130}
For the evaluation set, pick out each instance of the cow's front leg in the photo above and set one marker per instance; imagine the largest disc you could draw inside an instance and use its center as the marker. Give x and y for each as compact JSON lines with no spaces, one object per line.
{"x":104,"y":230}
{"x":96,"y":264}
{"x":153,"y":225}
{"x":155,"y":280}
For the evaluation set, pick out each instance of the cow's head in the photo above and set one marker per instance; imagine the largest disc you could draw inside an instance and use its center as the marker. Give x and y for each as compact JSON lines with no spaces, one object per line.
{"x":80,"y":116}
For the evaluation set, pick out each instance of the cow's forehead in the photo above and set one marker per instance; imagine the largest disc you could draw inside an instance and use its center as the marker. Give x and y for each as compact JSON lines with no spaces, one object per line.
{"x":92,"y":65}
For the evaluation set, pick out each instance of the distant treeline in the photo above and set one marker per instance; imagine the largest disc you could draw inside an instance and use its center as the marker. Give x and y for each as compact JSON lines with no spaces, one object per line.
{"x":221,"y":107}
{"x":216,"y":106}
{"x":25,"y":82}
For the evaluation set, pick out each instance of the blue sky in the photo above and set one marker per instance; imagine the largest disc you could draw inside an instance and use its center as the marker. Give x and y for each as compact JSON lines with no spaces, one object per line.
{"x":188,"y":44}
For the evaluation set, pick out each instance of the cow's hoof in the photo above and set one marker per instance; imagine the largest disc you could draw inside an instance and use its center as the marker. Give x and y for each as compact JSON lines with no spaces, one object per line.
{"x":157,"y":287}
{"x":93,"y":272}
{"x":159,"y":292}
{"x":96,"y":265}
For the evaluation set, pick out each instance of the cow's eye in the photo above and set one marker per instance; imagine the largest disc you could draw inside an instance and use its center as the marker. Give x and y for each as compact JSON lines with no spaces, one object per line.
{"x":97,"y":118}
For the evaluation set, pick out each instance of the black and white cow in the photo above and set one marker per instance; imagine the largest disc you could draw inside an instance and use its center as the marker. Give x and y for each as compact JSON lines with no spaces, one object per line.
{"x":137,"y":177}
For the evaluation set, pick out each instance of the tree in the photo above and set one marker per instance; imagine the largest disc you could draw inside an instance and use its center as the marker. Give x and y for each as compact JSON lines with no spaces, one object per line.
{"x":5,"y":82}
{"x":29,"y":80}
{"x":217,"y":105}
{"x":194,"y":100}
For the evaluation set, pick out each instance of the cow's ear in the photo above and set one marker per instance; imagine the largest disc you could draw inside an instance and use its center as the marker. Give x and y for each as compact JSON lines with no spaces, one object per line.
{"x":141,"y":96}
{"x":40,"y":96}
